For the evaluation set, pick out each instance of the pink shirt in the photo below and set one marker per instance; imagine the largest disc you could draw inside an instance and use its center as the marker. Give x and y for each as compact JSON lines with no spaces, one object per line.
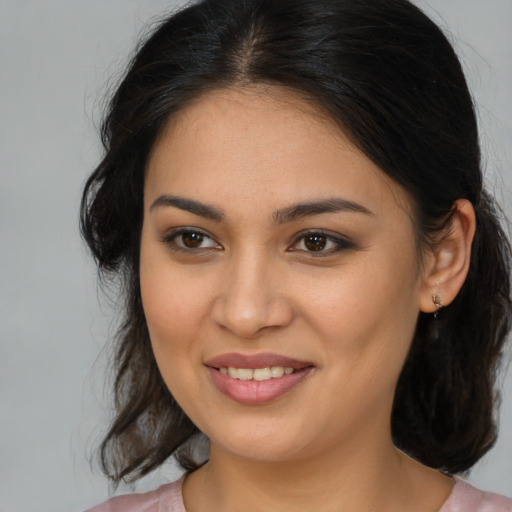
{"x":167,"y":498}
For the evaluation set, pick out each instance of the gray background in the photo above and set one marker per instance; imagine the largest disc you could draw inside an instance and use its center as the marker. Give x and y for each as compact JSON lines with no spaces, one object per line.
{"x":56,"y":57}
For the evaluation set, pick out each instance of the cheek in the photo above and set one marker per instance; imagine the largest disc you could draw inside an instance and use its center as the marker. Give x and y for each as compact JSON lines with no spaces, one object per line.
{"x":371,"y":291}
{"x":170,"y":297}
{"x":171,"y":305}
{"x":170,"y":310}
{"x":367,"y":311}
{"x":173,"y":313}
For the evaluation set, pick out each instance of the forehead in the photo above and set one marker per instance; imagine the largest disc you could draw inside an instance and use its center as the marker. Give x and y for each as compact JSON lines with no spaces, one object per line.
{"x":268,"y":140}
{"x":230,"y":113}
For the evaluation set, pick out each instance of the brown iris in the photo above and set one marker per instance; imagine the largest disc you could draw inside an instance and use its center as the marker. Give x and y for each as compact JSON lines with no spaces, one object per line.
{"x":192,"y":240}
{"x":315,"y":242}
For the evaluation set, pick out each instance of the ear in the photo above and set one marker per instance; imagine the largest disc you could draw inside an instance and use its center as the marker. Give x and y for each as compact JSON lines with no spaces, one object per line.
{"x":446,"y":267}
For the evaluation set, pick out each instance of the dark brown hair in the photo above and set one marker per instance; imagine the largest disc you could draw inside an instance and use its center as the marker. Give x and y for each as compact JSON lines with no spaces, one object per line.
{"x":390,"y":78}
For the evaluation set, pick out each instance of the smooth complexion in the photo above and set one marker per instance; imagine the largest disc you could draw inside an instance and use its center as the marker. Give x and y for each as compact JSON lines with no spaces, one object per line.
{"x":270,"y":240}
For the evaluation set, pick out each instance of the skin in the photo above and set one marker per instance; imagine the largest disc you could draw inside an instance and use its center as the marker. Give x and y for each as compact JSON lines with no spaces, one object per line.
{"x":253,"y":285}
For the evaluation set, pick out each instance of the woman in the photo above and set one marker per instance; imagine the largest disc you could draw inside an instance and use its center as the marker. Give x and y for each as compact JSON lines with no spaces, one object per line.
{"x":315,"y":279}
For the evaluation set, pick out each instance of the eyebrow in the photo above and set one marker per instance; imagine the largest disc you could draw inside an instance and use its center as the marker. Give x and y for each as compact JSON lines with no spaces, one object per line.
{"x":189,"y":205}
{"x":332,"y":205}
{"x":289,"y":214}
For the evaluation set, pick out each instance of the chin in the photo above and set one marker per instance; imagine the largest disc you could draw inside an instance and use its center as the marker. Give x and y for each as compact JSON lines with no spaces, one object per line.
{"x":263,"y":443}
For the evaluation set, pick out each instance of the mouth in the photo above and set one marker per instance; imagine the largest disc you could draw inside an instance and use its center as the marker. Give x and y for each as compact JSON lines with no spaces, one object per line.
{"x":257,"y":374}
{"x":256,"y":379}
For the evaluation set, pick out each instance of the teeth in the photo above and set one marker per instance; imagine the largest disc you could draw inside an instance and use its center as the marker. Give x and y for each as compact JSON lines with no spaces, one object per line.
{"x":258,"y":374}
{"x":276,"y":371}
{"x":245,"y":373}
{"x":261,"y":374}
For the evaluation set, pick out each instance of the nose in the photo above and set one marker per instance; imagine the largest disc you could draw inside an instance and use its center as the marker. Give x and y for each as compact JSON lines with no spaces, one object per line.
{"x":253,"y":298}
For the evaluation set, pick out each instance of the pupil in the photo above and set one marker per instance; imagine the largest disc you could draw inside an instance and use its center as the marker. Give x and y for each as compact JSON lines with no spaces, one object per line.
{"x":192,"y":240}
{"x":316,"y":242}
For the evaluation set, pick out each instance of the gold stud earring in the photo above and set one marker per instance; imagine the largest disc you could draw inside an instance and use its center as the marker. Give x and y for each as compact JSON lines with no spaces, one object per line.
{"x":436,"y":299}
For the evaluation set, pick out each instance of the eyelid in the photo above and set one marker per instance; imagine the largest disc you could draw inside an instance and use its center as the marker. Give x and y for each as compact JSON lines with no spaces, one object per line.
{"x":169,"y":237}
{"x":341,"y":241}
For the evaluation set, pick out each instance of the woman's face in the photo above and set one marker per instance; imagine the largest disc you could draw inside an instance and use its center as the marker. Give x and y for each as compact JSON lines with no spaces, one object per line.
{"x":280,"y":278}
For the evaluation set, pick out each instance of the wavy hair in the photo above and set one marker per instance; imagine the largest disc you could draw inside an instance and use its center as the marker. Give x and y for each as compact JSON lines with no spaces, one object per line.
{"x":389,"y":77}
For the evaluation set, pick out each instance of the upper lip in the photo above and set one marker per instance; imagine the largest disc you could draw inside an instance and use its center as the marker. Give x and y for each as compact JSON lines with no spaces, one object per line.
{"x":237,"y":360}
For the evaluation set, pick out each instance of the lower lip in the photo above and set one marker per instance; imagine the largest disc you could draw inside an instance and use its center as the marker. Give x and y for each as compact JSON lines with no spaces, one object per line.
{"x":252,"y":392}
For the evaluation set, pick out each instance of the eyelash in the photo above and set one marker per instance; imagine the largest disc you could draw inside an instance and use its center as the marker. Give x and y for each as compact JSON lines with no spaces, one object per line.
{"x":339,"y":243}
{"x":170,"y":240}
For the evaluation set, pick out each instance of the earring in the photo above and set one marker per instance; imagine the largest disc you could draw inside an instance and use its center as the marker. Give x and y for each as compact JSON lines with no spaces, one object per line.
{"x":436,"y":299}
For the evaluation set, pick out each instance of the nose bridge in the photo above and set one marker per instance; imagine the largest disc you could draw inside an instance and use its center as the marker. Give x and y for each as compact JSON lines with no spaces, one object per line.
{"x":250,"y":299}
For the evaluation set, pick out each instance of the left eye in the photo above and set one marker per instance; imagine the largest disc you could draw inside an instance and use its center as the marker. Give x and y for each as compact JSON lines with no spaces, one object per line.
{"x":320,"y":243}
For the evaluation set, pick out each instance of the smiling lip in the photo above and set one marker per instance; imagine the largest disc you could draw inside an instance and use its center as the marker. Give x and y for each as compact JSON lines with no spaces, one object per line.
{"x":252,"y":392}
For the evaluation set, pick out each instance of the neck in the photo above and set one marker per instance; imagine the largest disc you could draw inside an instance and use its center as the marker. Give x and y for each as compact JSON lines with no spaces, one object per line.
{"x":294,"y":485}
{"x":360,"y":476}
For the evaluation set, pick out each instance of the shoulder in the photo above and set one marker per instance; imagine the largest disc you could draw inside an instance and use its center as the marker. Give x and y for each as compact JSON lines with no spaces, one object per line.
{"x":167,"y":497}
{"x":466,"y":498}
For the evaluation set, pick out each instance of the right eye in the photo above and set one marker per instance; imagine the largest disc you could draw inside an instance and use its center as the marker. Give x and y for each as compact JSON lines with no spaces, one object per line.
{"x":190,"y":240}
